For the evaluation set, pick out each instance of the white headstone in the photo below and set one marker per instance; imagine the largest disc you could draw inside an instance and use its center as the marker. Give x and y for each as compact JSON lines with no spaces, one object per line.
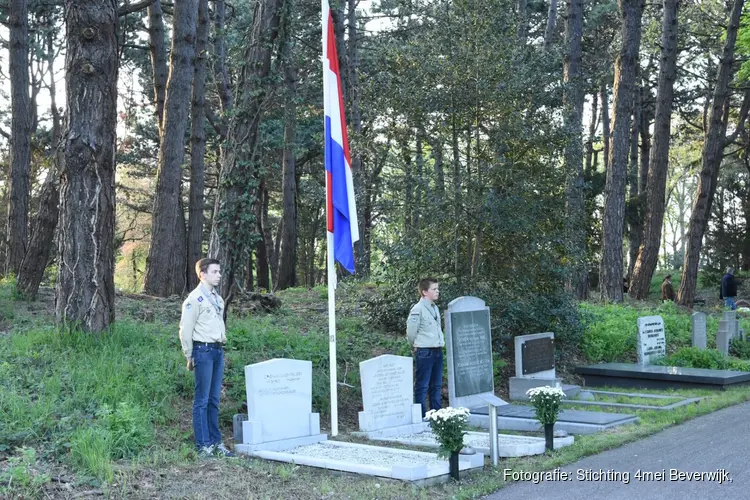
{"x":699,"y":330}
{"x":279,"y":401}
{"x":387,"y":393}
{"x":652,"y":343}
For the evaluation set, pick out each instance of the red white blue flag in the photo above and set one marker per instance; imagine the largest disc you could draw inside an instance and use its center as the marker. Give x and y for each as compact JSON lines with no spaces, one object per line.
{"x":340,"y":207}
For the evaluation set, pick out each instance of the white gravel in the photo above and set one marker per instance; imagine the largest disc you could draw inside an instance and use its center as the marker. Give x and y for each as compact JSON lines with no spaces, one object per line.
{"x":475,"y":440}
{"x":365,"y":455}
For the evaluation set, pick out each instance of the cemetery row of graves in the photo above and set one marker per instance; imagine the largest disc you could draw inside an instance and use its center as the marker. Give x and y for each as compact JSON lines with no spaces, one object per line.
{"x":280,"y":425}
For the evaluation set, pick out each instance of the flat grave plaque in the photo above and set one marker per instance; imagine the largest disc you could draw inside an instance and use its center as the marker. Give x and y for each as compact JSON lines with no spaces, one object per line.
{"x":538,"y":355}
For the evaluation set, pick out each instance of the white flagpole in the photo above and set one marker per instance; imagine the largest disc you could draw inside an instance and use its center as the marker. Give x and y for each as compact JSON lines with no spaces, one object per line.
{"x":332,"y":337}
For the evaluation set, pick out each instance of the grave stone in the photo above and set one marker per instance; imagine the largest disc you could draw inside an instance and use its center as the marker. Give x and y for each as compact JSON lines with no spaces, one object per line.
{"x":699,"y":330}
{"x":535,"y":364}
{"x":723,"y":337}
{"x":469,"y":346}
{"x":388,"y":394}
{"x":731,"y":318}
{"x":652,"y":343}
{"x":279,"y":404}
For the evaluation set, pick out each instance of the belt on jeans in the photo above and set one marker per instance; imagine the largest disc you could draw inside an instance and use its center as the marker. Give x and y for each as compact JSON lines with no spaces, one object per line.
{"x":209,"y":344}
{"x":433,"y":348}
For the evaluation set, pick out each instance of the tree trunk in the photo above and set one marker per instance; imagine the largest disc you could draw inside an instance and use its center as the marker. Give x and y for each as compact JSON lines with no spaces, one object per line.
{"x":165,"y":265}
{"x":85,"y":295}
{"x":158,"y":50}
{"x":590,"y":138}
{"x":648,"y":255}
{"x":197,"y":148}
{"x":610,"y":275}
{"x":713,"y":150}
{"x":573,"y":100}
{"x":645,"y":131}
{"x":606,"y":131}
{"x":35,"y":261}
{"x":220,"y":49}
{"x":234,"y":229}
{"x":20,"y":139}
{"x":355,"y":124}
{"x":635,"y":213}
{"x":38,"y":253}
{"x":261,"y":249}
{"x":551,"y":22}
{"x":287,"y":274}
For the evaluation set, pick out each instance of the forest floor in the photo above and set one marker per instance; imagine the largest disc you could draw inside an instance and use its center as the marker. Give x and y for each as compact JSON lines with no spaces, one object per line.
{"x":62,"y":396}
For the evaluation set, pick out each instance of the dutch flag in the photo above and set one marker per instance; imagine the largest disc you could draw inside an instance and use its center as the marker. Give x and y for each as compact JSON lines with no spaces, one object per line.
{"x":340,"y":207}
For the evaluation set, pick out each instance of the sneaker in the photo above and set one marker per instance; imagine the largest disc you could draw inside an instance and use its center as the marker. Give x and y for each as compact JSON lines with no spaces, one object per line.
{"x":222,"y":451}
{"x":206,"y":451}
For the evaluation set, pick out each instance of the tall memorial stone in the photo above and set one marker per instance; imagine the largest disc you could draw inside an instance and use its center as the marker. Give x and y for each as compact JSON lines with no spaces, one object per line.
{"x":652,"y":343}
{"x":388,"y":397}
{"x":279,"y":405}
{"x":699,"y":330}
{"x":535,"y":364}
{"x":469,"y":346}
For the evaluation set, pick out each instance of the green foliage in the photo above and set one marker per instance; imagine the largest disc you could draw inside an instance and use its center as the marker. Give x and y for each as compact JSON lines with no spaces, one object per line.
{"x":90,"y":451}
{"x":63,"y":389}
{"x":513,"y":310}
{"x":740,"y":348}
{"x":692,"y":357}
{"x":19,"y":476}
{"x":612,"y":330}
{"x":129,"y":427}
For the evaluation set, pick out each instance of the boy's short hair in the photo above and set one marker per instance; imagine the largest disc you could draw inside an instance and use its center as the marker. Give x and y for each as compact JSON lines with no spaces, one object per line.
{"x":202,"y":265}
{"x":424,"y":285}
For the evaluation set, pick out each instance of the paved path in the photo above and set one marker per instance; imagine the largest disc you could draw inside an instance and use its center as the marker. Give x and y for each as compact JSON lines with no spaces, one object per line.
{"x":719,"y":441}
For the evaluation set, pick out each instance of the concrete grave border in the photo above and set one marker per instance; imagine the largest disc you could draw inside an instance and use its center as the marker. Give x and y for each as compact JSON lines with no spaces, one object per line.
{"x":419,"y":473}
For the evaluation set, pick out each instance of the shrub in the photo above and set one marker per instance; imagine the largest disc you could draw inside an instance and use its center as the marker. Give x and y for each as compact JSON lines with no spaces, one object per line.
{"x":693,"y":357}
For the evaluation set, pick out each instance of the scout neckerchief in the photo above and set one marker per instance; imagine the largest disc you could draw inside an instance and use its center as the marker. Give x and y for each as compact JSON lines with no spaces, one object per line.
{"x":208,"y":296}
{"x":432,"y":308}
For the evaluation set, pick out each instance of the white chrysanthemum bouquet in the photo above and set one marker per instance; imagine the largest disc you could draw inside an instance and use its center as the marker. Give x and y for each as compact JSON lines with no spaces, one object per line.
{"x":546,"y":401}
{"x":449,"y":426}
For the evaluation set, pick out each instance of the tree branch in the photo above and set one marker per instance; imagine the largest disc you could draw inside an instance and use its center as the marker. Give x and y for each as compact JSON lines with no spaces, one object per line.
{"x":135,"y":7}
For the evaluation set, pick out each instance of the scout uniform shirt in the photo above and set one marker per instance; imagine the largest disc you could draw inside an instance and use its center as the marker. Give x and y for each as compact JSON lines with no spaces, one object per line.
{"x":423,"y":326}
{"x":202,"y":319}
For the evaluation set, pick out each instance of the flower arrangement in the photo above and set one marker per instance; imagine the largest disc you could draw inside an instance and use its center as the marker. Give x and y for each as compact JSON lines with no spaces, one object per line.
{"x":546,"y":401}
{"x":449,"y":426}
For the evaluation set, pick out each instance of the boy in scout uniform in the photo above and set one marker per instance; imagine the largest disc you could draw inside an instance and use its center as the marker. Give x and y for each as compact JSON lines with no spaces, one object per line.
{"x":425,"y":334}
{"x":203,"y":335}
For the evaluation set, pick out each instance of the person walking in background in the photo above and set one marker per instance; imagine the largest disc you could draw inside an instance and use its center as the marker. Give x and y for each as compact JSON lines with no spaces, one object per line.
{"x":203,"y":335}
{"x":425,"y":335}
{"x":729,"y":289}
{"x":667,"y":290}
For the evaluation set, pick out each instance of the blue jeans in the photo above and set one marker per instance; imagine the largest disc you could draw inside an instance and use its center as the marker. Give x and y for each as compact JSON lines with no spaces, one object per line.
{"x":429,"y":377}
{"x":729,"y":302}
{"x":209,"y":368}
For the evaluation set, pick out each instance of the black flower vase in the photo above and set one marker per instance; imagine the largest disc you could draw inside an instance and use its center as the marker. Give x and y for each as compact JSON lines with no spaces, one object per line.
{"x":453,"y":463}
{"x":549,"y":436}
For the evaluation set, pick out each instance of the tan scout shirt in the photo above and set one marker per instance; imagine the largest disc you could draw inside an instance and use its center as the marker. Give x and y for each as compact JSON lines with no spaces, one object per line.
{"x":200,"y":320}
{"x":423,"y":328}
